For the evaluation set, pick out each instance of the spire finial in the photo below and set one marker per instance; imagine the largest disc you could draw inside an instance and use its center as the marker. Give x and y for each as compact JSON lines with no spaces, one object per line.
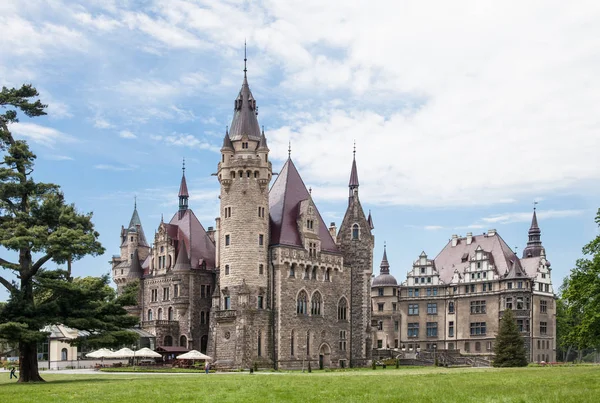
{"x":245,"y":58}
{"x":384,"y":244}
{"x":227,"y":130}
{"x":310,"y":190}
{"x":354,"y":152}
{"x":183,"y":166}
{"x":534,"y":204}
{"x":135,"y":202}
{"x":290,"y":149}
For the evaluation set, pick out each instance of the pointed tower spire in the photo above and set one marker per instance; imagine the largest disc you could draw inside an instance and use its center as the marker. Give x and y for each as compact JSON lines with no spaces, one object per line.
{"x":183,"y":192}
{"x":370,"y":220}
{"x":384,"y":266}
{"x":353,"y":183}
{"x":534,"y":246}
{"x":227,"y":146}
{"x":245,"y":121}
{"x":262,"y":145}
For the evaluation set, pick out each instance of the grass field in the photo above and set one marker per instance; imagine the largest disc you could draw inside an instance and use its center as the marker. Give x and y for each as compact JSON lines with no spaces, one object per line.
{"x":557,"y":384}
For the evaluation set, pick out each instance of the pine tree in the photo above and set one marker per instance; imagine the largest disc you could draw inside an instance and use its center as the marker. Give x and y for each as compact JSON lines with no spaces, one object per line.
{"x":510,"y":346}
{"x":37,"y":226}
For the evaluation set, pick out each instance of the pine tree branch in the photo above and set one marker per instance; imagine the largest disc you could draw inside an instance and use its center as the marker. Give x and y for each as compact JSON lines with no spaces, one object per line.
{"x":36,"y":267}
{"x":8,"y":285}
{"x":9,"y":265}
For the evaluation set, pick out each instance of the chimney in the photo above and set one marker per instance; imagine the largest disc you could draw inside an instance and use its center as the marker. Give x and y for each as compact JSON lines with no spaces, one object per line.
{"x":491,"y":232}
{"x":332,"y":230}
{"x":469,"y":238}
{"x":454,"y":240}
{"x":211,"y":233}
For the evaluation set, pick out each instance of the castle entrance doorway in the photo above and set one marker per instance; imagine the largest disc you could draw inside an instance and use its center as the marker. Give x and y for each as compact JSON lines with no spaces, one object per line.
{"x":324,"y":356}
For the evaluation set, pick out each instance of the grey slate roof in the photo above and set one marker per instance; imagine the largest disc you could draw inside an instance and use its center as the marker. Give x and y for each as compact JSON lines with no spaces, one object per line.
{"x":135,"y":225}
{"x":384,"y":278}
{"x":244,"y":115}
{"x":450,"y":258}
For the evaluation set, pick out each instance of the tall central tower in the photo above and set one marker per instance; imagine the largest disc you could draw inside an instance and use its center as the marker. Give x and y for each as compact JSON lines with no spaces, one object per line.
{"x":241,"y":327}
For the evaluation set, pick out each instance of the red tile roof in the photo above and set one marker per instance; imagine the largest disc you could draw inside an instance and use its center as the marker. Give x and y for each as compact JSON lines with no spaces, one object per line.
{"x":284,"y":198}
{"x":183,"y":190}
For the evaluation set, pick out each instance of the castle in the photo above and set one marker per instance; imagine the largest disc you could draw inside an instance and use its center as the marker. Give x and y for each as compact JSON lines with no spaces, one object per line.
{"x":453,"y":303}
{"x":271,"y":284}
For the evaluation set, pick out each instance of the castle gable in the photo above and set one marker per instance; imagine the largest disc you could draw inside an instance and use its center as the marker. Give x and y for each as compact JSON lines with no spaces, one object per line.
{"x":200,"y":247}
{"x":285,"y":206}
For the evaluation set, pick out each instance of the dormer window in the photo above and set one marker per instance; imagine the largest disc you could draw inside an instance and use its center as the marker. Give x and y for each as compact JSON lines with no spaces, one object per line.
{"x":245,"y":145}
{"x":355,"y":231}
{"x":309,"y":224}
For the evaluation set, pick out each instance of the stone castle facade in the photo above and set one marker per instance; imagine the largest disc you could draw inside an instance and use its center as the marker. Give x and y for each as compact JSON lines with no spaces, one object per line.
{"x":271,"y":284}
{"x":454,"y":302}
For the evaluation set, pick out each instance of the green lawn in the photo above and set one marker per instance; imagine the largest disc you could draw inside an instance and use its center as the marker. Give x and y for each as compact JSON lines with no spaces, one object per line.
{"x":566,"y":384}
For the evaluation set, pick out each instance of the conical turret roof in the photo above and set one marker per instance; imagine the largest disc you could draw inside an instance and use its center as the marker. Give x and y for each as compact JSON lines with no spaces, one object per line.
{"x":384,"y":278}
{"x":534,"y":246}
{"x":245,"y":121}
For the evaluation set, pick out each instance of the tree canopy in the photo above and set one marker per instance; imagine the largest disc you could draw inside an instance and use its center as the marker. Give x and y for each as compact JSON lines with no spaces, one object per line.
{"x":37,"y":226}
{"x":510,"y":346}
{"x":581,"y":297}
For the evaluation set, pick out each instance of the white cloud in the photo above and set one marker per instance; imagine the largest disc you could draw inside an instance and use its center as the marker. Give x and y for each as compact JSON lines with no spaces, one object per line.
{"x":46,"y":136}
{"x":102,"y":123}
{"x":126,"y":134}
{"x":507,"y":218}
{"x":59,"y":158}
{"x":109,"y":167}
{"x":432,"y":227}
{"x":185,"y":140}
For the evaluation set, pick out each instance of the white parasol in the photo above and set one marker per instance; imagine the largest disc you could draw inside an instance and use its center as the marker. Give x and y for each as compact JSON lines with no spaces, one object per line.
{"x":193,"y":355}
{"x":147,"y":353}
{"x":123,"y":353}
{"x":102,"y":353}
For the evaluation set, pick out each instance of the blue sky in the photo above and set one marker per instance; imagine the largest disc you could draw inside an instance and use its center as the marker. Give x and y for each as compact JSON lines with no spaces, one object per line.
{"x":463,"y":113}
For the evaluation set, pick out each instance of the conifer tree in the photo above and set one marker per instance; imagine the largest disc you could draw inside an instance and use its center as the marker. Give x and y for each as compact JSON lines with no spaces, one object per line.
{"x":37,"y":227}
{"x":510,"y":346}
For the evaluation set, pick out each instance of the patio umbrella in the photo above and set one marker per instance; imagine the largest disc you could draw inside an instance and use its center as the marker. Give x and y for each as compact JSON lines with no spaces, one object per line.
{"x":123,"y":353}
{"x":103,"y":352}
{"x":193,"y":355}
{"x":147,"y":353}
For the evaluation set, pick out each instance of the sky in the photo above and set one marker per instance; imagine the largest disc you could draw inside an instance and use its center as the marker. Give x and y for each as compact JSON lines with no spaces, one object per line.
{"x":464,"y":113}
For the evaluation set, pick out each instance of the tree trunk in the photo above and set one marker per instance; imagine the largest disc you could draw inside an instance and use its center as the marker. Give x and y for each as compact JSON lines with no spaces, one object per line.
{"x":566,"y":357}
{"x":28,"y":364}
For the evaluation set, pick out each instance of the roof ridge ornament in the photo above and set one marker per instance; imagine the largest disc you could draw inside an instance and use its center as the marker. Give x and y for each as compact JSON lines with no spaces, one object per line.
{"x":245,"y":58}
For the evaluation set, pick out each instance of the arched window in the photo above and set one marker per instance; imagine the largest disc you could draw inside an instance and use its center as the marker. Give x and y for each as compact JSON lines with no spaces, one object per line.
{"x":233,"y":174}
{"x":64,"y":354}
{"x":159,"y":314}
{"x":450,"y":307}
{"x":302,"y":305}
{"x":149,"y":314}
{"x":168,"y":341}
{"x":292,"y":343}
{"x":256,"y":174}
{"x":308,"y":343}
{"x":314,"y":273}
{"x":328,"y":274}
{"x":293,"y":270}
{"x":183,"y":341}
{"x":343,"y":309}
{"x":315,"y":304}
{"x":170,"y":314}
{"x":202,"y":318}
{"x":248,"y":173}
{"x":241,"y":174}
{"x":355,"y":231}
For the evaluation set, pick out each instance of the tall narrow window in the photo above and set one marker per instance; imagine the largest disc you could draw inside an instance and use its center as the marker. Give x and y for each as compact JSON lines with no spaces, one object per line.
{"x":261,"y":239}
{"x":343,"y":309}
{"x":227,"y":302}
{"x":149,"y":314}
{"x":302,"y":303}
{"x":315,"y":304}
{"x":292,"y":343}
{"x":259,"y":342}
{"x":308,"y":343}
{"x":226,"y":269}
{"x":260,"y":269}
{"x":227,"y":240}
